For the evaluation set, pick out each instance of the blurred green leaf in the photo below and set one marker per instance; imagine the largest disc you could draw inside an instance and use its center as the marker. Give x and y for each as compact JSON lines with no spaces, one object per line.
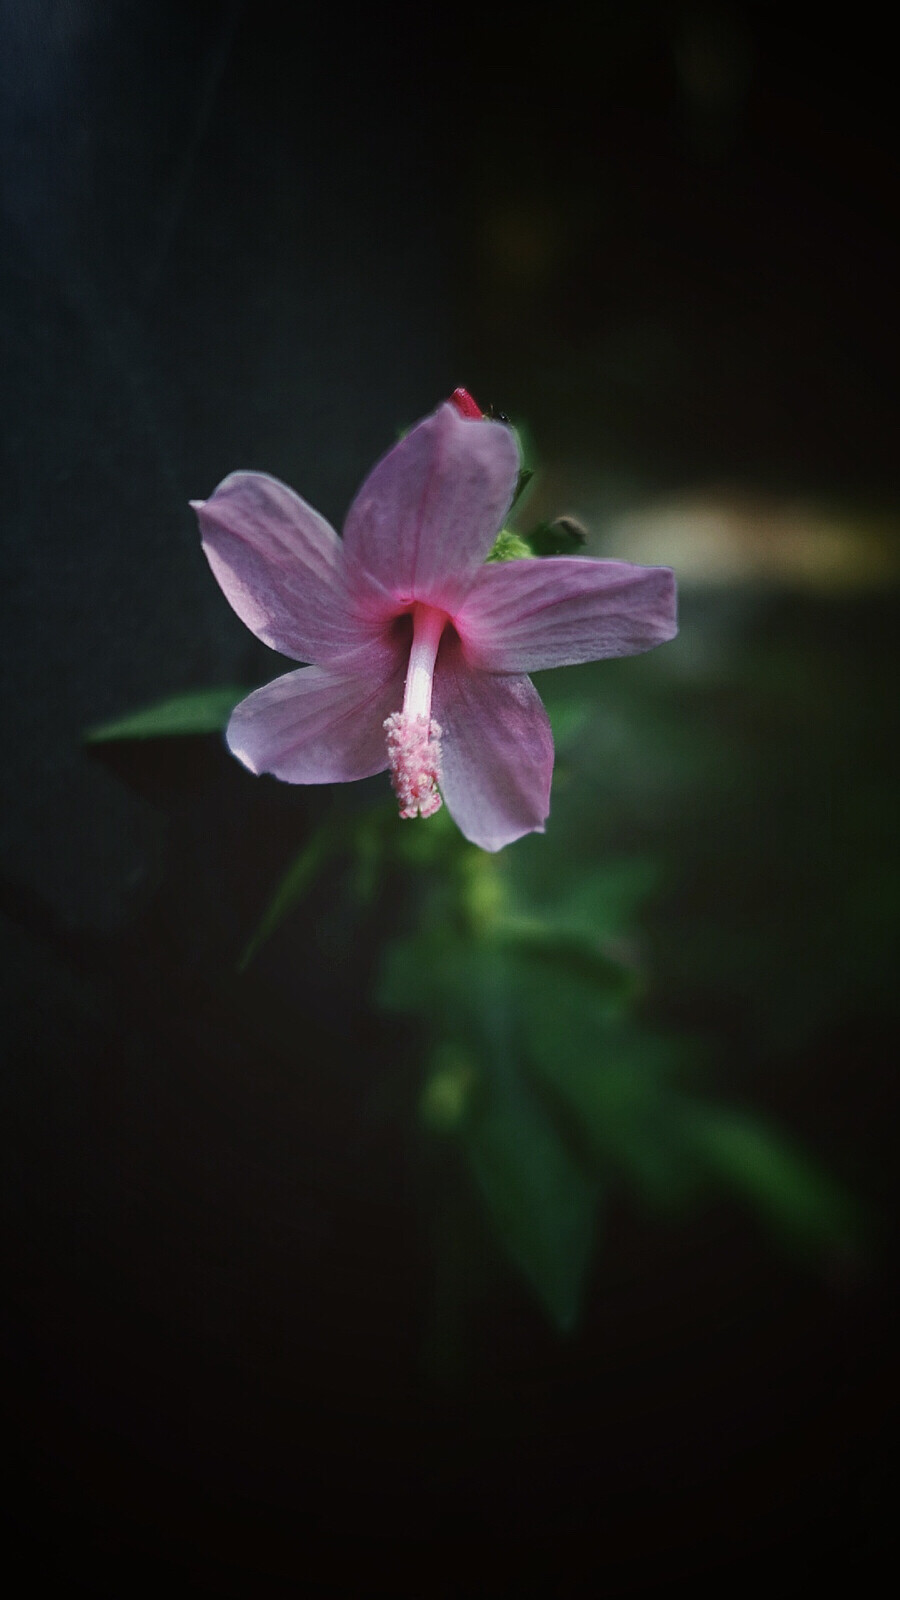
{"x":603,"y":901}
{"x":613,"y":1091}
{"x":540,"y":1200}
{"x":546,"y":956}
{"x":519,"y":979}
{"x":539,"y":1196}
{"x":458,"y":985}
{"x":196,"y":711}
{"x":568,"y":718}
{"x":801,"y":1203}
{"x":600,"y":891}
{"x":428,"y":844}
{"x":593,"y":910}
{"x":293,"y":886}
{"x":367,"y":841}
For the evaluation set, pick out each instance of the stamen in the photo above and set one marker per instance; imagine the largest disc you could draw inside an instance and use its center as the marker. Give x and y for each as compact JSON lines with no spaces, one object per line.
{"x":413,"y":737}
{"x":414,"y":755}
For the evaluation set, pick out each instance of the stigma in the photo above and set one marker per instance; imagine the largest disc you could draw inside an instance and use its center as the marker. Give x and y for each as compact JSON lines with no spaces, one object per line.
{"x":413,"y":737}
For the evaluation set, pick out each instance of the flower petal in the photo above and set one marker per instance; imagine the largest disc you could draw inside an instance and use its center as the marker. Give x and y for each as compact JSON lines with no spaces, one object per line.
{"x":280,"y":565}
{"x":426,"y":517}
{"x":521,"y":616}
{"x":317,"y":725}
{"x":497,"y":751}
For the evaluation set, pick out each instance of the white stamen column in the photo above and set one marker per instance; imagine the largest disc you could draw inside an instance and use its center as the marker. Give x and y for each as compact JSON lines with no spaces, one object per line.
{"x":413,"y":737}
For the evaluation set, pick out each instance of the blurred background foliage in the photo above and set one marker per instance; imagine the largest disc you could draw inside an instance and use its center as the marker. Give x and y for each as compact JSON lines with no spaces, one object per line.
{"x":283,"y":1072}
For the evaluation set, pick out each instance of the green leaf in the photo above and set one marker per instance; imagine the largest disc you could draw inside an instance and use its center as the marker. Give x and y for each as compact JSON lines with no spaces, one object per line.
{"x":547,"y":956}
{"x":459,"y":986}
{"x":196,"y":711}
{"x":611,"y":1084}
{"x":597,"y":900}
{"x":603,"y":902}
{"x":801,"y":1203}
{"x":293,"y":886}
{"x":568,"y":719}
{"x":539,"y":1198}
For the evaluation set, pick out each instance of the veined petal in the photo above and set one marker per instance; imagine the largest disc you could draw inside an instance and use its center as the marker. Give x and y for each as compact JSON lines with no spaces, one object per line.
{"x":497,"y":751}
{"x":426,"y":517}
{"x":317,"y":725}
{"x":521,"y":616}
{"x":281,"y":566}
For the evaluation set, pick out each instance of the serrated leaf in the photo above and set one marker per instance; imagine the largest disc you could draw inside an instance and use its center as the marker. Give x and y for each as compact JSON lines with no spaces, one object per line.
{"x":196,"y":711}
{"x":540,"y":1200}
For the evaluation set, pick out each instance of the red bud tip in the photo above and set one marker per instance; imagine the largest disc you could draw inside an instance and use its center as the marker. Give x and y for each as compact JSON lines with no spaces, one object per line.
{"x":465,"y":405}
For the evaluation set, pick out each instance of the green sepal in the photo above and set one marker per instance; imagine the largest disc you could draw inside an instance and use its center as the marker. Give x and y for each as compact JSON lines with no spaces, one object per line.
{"x":509,"y":546}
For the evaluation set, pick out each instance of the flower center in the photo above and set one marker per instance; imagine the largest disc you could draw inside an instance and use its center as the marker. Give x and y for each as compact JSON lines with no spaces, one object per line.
{"x":413,"y":737}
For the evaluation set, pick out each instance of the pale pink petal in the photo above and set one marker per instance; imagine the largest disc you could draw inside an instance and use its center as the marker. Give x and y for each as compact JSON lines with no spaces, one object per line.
{"x":317,"y":725}
{"x":426,"y":517}
{"x":280,"y":566}
{"x":521,"y":616}
{"x":497,"y":751}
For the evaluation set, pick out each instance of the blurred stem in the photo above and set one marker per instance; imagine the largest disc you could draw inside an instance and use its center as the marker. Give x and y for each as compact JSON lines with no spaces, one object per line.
{"x":481,"y":897}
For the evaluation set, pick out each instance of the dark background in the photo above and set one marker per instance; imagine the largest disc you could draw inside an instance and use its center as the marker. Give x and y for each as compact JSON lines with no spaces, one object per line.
{"x":664,"y":237}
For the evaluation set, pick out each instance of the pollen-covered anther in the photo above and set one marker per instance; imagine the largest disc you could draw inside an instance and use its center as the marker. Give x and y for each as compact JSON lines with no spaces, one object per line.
{"x":414,"y":757}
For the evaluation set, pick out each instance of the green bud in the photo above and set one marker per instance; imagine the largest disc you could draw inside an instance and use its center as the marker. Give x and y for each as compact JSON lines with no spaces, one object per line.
{"x":564,"y":537}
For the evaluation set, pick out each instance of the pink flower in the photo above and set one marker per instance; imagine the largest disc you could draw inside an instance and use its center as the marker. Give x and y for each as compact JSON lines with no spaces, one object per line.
{"x":421,"y":650}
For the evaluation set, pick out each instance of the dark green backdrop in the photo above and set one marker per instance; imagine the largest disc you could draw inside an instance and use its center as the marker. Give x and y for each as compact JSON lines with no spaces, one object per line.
{"x":663,"y":238}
